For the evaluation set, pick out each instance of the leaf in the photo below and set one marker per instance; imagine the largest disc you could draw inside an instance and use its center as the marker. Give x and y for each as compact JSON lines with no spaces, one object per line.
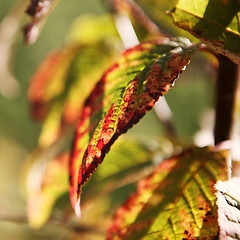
{"x":51,"y":177}
{"x":121,"y":166}
{"x":52,"y":184}
{"x":67,"y":76}
{"x":176,"y":201}
{"x":120,"y":99}
{"x":125,"y":149}
{"x":49,"y":80}
{"x":228,"y":202}
{"x":39,"y":11}
{"x":215,"y":22}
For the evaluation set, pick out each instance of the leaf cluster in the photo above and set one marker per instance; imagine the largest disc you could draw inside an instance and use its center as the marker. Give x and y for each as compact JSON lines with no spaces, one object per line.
{"x":112,"y":70}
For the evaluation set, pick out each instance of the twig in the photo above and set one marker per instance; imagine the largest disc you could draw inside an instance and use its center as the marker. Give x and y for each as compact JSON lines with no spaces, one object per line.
{"x":126,"y":30}
{"x":138,"y":13}
{"x":10,"y":217}
{"x":226,"y":94}
{"x":59,"y":221}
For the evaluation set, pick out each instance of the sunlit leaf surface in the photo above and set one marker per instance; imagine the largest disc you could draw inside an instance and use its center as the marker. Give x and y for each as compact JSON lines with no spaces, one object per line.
{"x":228,"y":202}
{"x":215,"y":22}
{"x":176,"y":201}
{"x":120,"y":99}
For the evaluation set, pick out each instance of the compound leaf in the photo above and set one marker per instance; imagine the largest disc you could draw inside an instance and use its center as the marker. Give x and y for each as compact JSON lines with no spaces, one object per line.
{"x":120,"y":99}
{"x":176,"y":201}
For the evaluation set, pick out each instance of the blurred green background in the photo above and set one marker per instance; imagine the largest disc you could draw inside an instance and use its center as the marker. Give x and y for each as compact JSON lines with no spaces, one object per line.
{"x":190,"y":98}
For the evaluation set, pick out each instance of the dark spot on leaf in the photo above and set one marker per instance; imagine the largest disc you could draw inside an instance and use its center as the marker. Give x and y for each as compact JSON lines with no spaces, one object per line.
{"x":208,"y":213}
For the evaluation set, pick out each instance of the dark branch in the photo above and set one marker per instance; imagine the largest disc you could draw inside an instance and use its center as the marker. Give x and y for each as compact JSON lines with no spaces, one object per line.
{"x":226,"y":94}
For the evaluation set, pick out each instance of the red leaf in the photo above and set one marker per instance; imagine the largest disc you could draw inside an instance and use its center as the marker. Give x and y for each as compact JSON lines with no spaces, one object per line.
{"x":120,"y":99}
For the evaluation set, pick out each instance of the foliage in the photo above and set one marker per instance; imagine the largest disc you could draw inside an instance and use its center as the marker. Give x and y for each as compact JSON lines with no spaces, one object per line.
{"x":89,"y":92}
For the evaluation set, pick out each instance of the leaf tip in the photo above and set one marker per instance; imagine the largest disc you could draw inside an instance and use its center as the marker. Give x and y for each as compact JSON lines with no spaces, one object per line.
{"x":78,"y":209}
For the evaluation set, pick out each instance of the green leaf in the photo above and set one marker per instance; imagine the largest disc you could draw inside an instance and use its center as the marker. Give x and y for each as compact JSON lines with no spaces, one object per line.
{"x":121,"y":166}
{"x":130,"y":154}
{"x":120,"y":99}
{"x":176,"y":201}
{"x":39,"y":11}
{"x":228,"y":202}
{"x":215,"y":22}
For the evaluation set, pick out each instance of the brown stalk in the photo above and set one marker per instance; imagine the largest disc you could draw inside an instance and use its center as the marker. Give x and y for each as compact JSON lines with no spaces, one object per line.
{"x":226,"y":89}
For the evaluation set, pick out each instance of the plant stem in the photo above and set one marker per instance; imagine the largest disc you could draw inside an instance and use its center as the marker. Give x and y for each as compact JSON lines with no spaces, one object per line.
{"x":226,"y":94}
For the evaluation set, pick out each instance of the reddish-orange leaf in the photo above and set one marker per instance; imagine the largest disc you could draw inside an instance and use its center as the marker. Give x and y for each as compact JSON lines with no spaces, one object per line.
{"x":50,"y":79}
{"x":120,"y":99}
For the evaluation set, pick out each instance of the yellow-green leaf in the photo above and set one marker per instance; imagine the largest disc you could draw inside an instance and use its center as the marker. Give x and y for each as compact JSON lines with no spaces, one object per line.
{"x":177,"y":201}
{"x":215,"y":22}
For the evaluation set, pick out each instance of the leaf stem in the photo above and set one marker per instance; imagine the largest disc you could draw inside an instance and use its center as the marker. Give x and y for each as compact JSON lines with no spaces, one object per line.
{"x":225,"y":100}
